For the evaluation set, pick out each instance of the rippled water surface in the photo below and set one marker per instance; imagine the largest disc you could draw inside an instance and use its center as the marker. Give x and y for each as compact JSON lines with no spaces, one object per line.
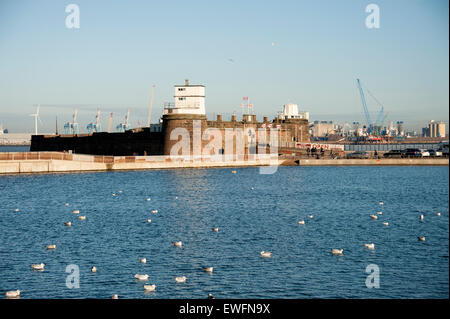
{"x":253,"y":212}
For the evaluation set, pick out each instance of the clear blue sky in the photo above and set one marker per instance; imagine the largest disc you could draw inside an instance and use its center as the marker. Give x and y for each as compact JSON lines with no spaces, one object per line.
{"x":320,"y":47}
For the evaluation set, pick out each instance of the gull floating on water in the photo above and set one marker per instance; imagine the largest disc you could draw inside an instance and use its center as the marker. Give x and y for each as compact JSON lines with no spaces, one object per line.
{"x":422,"y":238}
{"x":116,"y":296}
{"x":234,"y":172}
{"x":81,"y":217}
{"x":40,"y":266}
{"x":266,"y":254}
{"x":177,"y":243}
{"x":68,"y":223}
{"x":113,"y":194}
{"x":50,"y":247}
{"x":120,"y":191}
{"x":148,"y":199}
{"x":66,"y":204}
{"x":16,"y":210}
{"x":380,"y":213}
{"x":149,"y":220}
{"x":208,"y":269}
{"x":94,"y":269}
{"x":141,"y":277}
{"x":438,"y":214}
{"x":310,"y":216}
{"x":154,"y":211}
{"x":381,"y":203}
{"x":76,"y":211}
{"x":216,"y":229}
{"x":12,"y":294}
{"x":301,"y":222}
{"x":370,"y":246}
{"x":385,"y":223}
{"x":180,"y":279}
{"x":150,"y":287}
{"x":335,"y":251}
{"x":421,"y":217}
{"x":143,"y":260}
{"x":210,"y":296}
{"x":373,"y":216}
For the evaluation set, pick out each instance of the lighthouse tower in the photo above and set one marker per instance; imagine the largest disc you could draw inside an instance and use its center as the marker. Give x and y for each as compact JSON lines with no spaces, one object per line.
{"x":187,"y":110}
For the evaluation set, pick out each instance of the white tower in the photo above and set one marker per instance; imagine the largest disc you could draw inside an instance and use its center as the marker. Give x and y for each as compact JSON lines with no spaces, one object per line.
{"x":189,"y":99}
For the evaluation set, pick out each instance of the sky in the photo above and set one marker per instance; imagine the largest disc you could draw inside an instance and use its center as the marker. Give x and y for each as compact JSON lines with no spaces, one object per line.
{"x":275,"y":52}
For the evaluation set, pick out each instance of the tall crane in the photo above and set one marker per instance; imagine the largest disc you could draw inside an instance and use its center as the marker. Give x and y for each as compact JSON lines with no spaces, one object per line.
{"x":363,"y":99}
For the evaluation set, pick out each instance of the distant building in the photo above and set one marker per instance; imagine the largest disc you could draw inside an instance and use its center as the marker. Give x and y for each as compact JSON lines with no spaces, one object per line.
{"x":434,"y":129}
{"x":290,"y":111}
{"x":322,"y":128}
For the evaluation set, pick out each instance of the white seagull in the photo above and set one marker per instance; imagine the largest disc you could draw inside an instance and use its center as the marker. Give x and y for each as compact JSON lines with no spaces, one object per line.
{"x":150,"y":287}
{"x":208,"y":269}
{"x":141,"y":277}
{"x":12,"y":294}
{"x":335,"y":251}
{"x":143,"y":260}
{"x":40,"y":266}
{"x":51,"y":247}
{"x":373,"y":216}
{"x":266,"y":254}
{"x":177,"y":243}
{"x":370,"y":246}
{"x":180,"y":279}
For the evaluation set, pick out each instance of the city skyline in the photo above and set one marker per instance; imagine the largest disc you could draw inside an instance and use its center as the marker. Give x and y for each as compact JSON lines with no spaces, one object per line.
{"x":299,"y":52}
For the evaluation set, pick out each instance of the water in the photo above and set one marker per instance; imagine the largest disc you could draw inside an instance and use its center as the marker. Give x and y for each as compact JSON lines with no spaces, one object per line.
{"x":115,"y":235}
{"x":14,"y":148}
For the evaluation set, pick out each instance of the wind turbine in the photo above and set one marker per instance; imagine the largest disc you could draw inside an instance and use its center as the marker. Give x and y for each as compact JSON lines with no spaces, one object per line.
{"x":36,"y":117}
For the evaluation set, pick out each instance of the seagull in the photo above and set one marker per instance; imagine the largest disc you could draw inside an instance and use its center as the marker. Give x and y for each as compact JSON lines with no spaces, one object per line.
{"x":234,"y":172}
{"x":177,"y":243}
{"x":421,"y":238}
{"x":370,"y":246}
{"x":385,"y":223}
{"x":301,"y":222}
{"x":266,"y":254}
{"x":51,"y":247}
{"x":149,"y":220}
{"x":380,"y":213}
{"x":381,"y":203}
{"x":66,"y":204}
{"x":40,"y":266}
{"x":150,"y":287}
{"x":113,"y":194}
{"x":76,"y":211}
{"x":335,"y":251}
{"x":180,"y":279}
{"x":373,"y":216}
{"x":210,"y":296}
{"x":120,"y":191}
{"x":216,"y":229}
{"x":148,"y":199}
{"x":421,"y":217}
{"x":12,"y":294}
{"x":438,"y":214}
{"x":16,"y":210}
{"x":141,"y":277}
{"x":68,"y":223}
{"x":116,"y":296}
{"x":82,"y":217}
{"x":310,"y":216}
{"x":208,"y":269}
{"x":94,"y":269}
{"x":143,"y":260}
{"x":154,"y":211}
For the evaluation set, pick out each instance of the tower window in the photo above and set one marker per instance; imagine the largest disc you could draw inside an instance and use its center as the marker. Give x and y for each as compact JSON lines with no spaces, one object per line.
{"x":181,"y":89}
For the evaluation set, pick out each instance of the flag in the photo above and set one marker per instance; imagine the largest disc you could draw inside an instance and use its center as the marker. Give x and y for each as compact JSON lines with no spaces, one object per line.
{"x":245,"y":98}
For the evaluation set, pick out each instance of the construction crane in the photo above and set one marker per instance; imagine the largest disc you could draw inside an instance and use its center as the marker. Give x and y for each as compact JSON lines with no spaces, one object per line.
{"x":122,"y":127}
{"x":72,"y":128}
{"x":363,"y":99}
{"x":95,"y":126}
